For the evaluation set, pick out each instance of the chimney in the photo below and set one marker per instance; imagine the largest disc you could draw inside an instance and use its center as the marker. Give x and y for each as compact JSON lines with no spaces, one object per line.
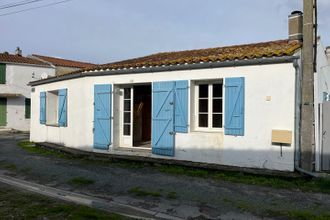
{"x":327,"y":53}
{"x":18,"y":51}
{"x":296,"y":26}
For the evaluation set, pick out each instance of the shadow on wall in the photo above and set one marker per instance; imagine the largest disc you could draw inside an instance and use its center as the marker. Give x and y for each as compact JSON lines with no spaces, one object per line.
{"x":276,"y":157}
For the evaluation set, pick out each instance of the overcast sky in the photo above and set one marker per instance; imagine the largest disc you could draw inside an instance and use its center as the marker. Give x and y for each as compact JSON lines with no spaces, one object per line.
{"x":103,"y":31}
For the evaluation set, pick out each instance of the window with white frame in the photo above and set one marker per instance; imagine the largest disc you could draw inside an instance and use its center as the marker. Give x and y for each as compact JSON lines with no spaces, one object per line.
{"x":127,"y":112}
{"x":209,"y":104}
{"x":52,"y":108}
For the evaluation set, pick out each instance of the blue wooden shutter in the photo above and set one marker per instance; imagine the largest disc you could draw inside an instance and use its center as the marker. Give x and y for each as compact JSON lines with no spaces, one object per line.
{"x":181,"y":106}
{"x":234,"y":106}
{"x":102,"y":116}
{"x":62,"y":107}
{"x":42,"y":116}
{"x":163,"y":118}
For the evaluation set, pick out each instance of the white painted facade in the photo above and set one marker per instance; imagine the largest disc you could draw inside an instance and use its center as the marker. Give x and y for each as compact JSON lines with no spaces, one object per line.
{"x":321,"y":89}
{"x":269,"y":104}
{"x":17,"y":78}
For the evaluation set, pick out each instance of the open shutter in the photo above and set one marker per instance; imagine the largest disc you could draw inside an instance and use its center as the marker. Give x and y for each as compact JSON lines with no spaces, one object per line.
{"x":102,"y":116}
{"x":181,"y":106}
{"x":62,"y":107}
{"x":163,"y":118}
{"x":234,"y":106}
{"x":42,"y":117}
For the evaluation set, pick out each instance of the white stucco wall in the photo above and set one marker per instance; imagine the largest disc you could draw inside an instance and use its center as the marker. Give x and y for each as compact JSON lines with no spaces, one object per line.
{"x":254,"y":149}
{"x":321,"y":85}
{"x":17,"y":78}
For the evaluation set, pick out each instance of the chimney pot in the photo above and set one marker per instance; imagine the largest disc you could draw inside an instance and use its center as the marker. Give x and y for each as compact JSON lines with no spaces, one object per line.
{"x":296,"y":26}
{"x":18,"y":51}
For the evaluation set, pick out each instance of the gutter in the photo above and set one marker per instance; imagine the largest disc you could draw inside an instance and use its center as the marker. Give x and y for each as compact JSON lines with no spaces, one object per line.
{"x":298,"y":101}
{"x":153,"y":69}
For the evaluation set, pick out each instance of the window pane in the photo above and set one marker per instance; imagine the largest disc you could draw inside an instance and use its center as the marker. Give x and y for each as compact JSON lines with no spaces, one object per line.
{"x":127,"y":129}
{"x":127,"y":117}
{"x":217,"y":90}
{"x":127,"y":105}
{"x":203,"y":105}
{"x":217,"y":105}
{"x":203,"y":120}
{"x":217,"y":121}
{"x":203,"y":91}
{"x":127,"y":93}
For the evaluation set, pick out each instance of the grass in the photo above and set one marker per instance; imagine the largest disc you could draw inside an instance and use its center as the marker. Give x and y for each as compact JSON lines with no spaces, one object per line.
{"x":303,"y":184}
{"x":8,"y":166}
{"x":285,"y":212}
{"x":17,"y":204}
{"x":81,"y":181}
{"x":32,"y":148}
{"x":172,"y":195}
{"x":138,"y":191}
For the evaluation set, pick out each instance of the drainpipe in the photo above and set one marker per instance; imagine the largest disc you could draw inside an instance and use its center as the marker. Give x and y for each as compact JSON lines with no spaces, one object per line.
{"x":297,"y":150}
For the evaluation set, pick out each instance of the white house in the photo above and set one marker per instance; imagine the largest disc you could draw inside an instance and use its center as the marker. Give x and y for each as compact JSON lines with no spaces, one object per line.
{"x":236,"y":106}
{"x":16,"y":72}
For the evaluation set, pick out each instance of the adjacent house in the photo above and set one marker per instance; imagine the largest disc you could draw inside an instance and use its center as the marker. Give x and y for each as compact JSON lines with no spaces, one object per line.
{"x":16,"y":72}
{"x":62,"y":66}
{"x":236,"y":105}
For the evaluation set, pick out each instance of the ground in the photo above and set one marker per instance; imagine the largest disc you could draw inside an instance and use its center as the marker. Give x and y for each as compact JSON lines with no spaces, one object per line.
{"x":20,"y":204}
{"x":180,"y":192}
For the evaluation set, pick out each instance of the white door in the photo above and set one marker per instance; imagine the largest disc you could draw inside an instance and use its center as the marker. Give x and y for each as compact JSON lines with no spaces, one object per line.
{"x":126,"y":117}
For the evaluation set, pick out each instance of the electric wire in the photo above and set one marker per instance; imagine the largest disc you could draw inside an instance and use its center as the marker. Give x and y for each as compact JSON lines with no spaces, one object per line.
{"x":33,"y":8}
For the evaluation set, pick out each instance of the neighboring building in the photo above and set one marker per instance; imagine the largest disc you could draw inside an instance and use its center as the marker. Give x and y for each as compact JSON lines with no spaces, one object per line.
{"x":62,"y":66}
{"x":16,"y":72}
{"x":237,"y":106}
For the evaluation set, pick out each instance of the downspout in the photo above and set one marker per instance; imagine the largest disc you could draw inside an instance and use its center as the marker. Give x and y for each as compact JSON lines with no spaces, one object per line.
{"x":297,"y":150}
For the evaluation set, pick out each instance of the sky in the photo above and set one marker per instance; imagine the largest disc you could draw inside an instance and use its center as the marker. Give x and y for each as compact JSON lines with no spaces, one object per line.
{"x":103,"y":31}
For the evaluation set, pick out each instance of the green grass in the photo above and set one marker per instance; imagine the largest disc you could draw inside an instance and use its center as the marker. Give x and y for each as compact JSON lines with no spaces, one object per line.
{"x":303,"y":184}
{"x":138,"y":191}
{"x":17,"y":204}
{"x":8,"y":166}
{"x":81,"y":181}
{"x":285,"y":212}
{"x":32,"y":148}
{"x":172,"y":195}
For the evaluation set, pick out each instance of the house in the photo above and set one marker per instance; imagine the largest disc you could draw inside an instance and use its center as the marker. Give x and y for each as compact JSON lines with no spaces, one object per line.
{"x":62,"y":66}
{"x":237,"y":105}
{"x":16,"y":72}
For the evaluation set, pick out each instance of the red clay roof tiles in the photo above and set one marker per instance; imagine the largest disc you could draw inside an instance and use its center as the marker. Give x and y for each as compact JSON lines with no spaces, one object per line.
{"x":238,"y":52}
{"x":64,"y":62}
{"x":11,"y":58}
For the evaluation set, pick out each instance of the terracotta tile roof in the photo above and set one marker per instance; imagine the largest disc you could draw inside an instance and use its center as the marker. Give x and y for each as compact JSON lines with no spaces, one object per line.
{"x":238,"y":52}
{"x":63,"y":62}
{"x":11,"y":58}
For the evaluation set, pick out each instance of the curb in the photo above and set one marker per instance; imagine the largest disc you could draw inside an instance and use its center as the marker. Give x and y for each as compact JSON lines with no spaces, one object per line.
{"x":80,"y":199}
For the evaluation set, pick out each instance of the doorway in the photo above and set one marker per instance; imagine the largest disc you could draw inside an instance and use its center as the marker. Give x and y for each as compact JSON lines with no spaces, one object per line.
{"x":142,"y":116}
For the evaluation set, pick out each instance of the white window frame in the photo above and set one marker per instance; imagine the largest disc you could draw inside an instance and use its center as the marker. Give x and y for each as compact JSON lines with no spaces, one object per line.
{"x":52,"y":108}
{"x":210,"y":105}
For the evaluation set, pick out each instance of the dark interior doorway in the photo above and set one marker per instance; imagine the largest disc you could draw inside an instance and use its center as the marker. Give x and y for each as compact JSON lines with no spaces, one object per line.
{"x":142,"y":116}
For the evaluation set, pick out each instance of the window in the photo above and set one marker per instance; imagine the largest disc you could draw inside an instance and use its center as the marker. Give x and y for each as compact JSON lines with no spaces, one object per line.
{"x":210,"y":104}
{"x":2,"y":73}
{"x":52,"y":108}
{"x":27,"y":108}
{"x":127,"y":112}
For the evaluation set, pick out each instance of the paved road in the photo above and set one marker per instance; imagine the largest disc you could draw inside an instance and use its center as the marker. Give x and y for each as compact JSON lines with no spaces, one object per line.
{"x":197,"y":198}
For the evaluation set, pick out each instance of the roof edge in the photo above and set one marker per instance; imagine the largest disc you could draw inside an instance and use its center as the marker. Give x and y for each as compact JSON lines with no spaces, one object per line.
{"x":233,"y":63}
